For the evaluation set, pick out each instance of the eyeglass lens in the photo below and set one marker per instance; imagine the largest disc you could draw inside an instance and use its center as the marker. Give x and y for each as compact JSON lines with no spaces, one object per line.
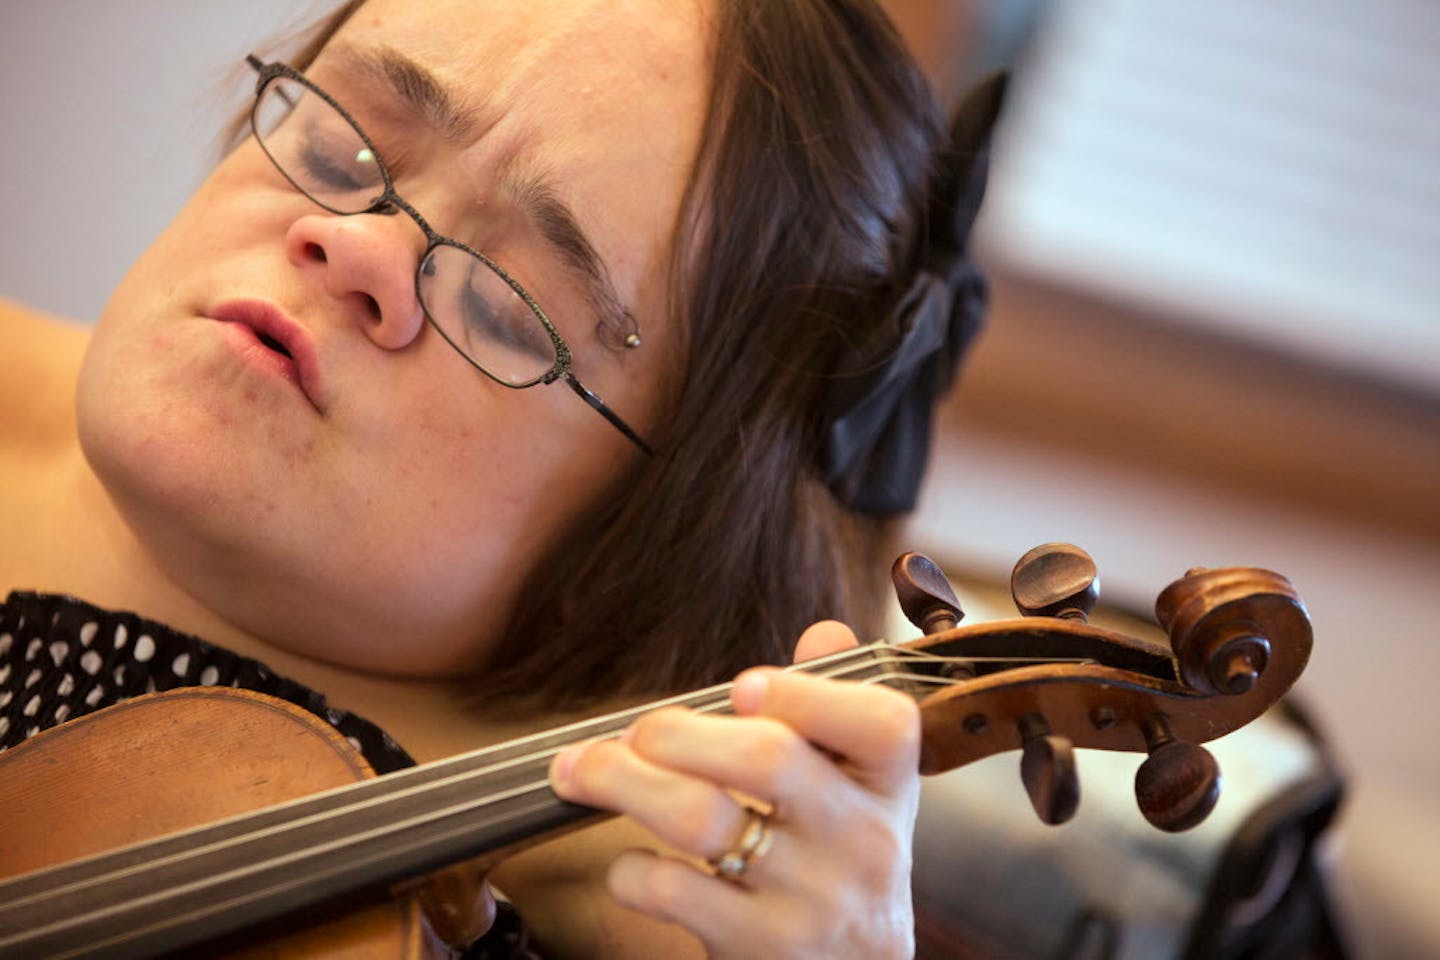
{"x":468,"y":300}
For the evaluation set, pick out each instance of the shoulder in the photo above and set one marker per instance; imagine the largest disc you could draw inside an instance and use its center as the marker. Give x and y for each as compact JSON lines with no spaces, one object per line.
{"x":40,"y":358}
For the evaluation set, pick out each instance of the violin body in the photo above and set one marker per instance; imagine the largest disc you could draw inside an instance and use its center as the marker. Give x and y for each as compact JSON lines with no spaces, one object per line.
{"x":169,"y":761}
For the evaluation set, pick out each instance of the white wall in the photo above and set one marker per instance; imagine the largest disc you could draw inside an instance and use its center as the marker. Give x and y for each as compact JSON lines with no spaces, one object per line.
{"x":107,"y":123}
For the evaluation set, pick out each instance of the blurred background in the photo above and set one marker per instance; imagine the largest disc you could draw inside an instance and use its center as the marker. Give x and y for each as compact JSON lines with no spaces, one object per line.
{"x":1215,"y":236}
{"x":1215,"y":233}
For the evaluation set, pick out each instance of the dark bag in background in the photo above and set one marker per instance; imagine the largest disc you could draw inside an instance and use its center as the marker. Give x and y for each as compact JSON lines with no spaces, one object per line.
{"x":991,"y":881}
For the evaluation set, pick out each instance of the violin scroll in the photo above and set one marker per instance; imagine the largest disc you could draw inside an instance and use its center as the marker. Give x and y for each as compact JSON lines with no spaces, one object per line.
{"x":1214,"y":625}
{"x":1051,"y":681}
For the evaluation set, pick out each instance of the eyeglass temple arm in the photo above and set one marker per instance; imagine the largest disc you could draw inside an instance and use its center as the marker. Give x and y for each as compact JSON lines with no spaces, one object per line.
{"x":606,"y":412}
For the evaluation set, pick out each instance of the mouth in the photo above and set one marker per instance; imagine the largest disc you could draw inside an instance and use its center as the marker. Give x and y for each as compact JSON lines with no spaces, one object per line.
{"x":276,"y":342}
{"x":271,"y":343}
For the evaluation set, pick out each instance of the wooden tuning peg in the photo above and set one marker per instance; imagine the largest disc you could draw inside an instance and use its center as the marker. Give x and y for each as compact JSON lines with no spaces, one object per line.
{"x":1179,"y":783}
{"x":1055,"y":580}
{"x":925,"y":595}
{"x":1047,"y":768}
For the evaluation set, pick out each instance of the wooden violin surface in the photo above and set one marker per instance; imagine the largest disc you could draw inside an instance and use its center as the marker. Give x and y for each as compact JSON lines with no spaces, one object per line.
{"x":165,"y":762}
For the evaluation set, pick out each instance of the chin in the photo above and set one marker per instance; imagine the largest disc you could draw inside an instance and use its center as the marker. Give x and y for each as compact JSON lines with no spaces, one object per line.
{"x":244,"y":546}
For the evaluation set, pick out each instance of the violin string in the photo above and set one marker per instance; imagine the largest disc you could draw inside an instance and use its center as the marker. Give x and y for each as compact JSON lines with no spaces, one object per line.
{"x":847,"y":664}
{"x":542,"y":785}
{"x":714,"y":700}
{"x":916,"y":678}
{"x":707,"y":700}
{"x":158,"y":897}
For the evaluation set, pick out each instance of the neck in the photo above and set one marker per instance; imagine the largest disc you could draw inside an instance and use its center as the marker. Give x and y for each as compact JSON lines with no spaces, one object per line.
{"x":85,"y":548}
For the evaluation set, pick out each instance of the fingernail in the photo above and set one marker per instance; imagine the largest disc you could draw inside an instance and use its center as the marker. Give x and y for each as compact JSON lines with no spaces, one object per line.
{"x":564,"y":763}
{"x":748,"y":693}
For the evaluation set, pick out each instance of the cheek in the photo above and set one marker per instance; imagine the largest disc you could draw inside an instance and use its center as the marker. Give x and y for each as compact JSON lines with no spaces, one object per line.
{"x":436,"y":472}
{"x":159,"y":377}
{"x":209,"y":238}
{"x":498,"y":474}
{"x":461,"y":476}
{"x":168,"y":437}
{"x":156,"y":385}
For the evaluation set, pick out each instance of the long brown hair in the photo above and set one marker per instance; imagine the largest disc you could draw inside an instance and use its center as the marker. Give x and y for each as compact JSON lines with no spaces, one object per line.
{"x":800,"y":227}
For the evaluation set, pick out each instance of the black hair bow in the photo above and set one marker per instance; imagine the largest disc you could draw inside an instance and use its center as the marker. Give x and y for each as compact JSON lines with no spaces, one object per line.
{"x":882,"y":396}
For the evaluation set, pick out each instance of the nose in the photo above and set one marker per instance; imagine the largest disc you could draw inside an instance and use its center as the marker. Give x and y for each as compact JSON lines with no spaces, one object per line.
{"x":366,"y":261}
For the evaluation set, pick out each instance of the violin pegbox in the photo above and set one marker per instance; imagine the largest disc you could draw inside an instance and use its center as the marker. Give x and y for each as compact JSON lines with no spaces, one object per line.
{"x":1050,"y":681}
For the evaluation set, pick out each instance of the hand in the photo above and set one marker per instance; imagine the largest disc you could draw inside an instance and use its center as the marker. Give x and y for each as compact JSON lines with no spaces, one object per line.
{"x":837,"y":763}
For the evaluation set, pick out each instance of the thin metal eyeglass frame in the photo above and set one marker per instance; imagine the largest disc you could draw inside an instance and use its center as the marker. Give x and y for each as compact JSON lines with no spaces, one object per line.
{"x":387,"y":203}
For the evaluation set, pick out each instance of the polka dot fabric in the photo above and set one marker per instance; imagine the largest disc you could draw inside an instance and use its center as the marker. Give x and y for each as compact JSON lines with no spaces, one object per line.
{"x":61,"y":658}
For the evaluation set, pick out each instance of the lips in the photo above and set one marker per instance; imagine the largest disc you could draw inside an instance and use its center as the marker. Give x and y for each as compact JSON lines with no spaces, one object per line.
{"x":280,"y":342}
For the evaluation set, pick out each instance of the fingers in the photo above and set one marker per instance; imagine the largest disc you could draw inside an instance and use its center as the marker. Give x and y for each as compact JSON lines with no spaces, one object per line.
{"x":669,"y":769}
{"x":827,"y":636}
{"x":722,"y":915}
{"x":674,"y":772}
{"x":818,"y":920}
{"x":756,"y":756}
{"x":875,"y":730}
{"x":683,"y":792}
{"x":837,"y":759}
{"x":690,"y":814}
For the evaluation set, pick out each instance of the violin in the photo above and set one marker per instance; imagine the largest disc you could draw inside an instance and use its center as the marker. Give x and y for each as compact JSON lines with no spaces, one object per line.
{"x":173,"y":870}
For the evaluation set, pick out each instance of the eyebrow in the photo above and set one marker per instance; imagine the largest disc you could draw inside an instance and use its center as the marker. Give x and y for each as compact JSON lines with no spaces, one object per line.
{"x":535,"y":193}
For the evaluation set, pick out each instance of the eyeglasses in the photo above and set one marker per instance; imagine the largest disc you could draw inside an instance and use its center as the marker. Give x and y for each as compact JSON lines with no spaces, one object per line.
{"x":477,"y":307}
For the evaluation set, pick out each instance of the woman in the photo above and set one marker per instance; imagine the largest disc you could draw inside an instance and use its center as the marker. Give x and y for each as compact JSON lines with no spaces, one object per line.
{"x":683,"y":249}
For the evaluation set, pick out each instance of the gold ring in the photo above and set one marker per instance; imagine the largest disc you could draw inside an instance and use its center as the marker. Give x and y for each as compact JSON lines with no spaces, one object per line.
{"x":752,"y":843}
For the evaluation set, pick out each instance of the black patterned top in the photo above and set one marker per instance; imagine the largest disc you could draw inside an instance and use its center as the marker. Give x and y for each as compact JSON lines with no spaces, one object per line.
{"x":62,"y":658}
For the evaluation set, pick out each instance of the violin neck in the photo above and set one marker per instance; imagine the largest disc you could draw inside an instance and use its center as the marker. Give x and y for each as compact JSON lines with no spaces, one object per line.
{"x":199,"y":884}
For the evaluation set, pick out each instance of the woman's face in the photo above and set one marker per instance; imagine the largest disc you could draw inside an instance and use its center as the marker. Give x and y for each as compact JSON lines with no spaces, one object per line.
{"x":376,"y":501}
